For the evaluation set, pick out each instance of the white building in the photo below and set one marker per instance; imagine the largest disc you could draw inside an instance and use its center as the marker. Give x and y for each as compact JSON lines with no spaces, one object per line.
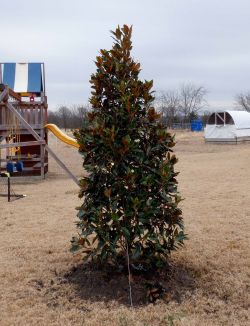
{"x":228,"y":126}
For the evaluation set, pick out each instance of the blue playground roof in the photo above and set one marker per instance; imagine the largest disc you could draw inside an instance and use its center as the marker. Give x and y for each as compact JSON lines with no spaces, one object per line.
{"x":23,"y":77}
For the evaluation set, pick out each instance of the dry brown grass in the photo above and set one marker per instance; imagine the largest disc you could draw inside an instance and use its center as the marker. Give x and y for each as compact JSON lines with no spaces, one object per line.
{"x":42,"y":283}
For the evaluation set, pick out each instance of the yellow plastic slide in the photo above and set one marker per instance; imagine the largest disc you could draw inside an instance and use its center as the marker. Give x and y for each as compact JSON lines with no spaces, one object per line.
{"x":60,"y":135}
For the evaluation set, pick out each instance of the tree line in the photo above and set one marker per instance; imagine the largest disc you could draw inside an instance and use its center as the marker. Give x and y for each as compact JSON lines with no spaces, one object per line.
{"x":188,"y":102}
{"x":177,"y":106}
{"x":181,"y":105}
{"x":73,"y":117}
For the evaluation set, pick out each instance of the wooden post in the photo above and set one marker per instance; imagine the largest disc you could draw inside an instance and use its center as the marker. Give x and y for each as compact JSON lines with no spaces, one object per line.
{"x":42,"y":149}
{"x":1,"y":80}
{"x":4,"y":95}
{"x":43,"y":81}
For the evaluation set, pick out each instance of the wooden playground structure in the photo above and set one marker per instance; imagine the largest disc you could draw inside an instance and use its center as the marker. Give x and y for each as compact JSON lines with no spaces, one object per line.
{"x":23,"y":116}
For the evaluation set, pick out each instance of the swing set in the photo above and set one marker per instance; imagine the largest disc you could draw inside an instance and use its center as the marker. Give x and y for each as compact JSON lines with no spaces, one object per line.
{"x":14,"y":163}
{"x":23,"y":117}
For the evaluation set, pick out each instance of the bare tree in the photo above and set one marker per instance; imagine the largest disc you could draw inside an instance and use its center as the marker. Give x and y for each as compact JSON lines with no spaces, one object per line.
{"x":79,"y":115}
{"x":65,"y":116}
{"x":53,"y":117}
{"x":169,"y":105}
{"x":204,"y":116}
{"x":243,"y":100}
{"x":69,"y":118}
{"x":192,"y":100}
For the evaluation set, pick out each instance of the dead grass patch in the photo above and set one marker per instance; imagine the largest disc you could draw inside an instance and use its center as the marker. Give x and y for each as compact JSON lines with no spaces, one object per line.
{"x":42,"y":283}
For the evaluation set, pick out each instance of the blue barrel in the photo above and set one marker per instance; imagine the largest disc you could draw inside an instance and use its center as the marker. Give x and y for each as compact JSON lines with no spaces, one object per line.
{"x":11,"y":167}
{"x":19,"y":166}
{"x":196,"y":125}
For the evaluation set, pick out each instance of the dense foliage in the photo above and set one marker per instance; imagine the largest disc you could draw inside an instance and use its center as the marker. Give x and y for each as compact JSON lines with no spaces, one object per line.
{"x":130,"y":198}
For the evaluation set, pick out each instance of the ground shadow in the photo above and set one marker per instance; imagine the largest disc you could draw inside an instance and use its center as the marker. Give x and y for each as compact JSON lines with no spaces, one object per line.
{"x":94,"y":284}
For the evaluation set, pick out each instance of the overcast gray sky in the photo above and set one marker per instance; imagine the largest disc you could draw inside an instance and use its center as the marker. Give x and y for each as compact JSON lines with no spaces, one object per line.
{"x":206,"y":42}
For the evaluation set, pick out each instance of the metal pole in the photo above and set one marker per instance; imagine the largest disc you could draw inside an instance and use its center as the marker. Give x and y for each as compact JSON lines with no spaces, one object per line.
{"x":8,"y":188}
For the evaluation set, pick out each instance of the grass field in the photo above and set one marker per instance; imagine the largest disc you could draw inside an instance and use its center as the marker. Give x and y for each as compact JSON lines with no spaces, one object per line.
{"x":42,"y":283}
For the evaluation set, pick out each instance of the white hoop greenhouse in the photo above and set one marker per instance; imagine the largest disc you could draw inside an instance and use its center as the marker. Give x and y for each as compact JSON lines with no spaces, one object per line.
{"x":228,"y":126}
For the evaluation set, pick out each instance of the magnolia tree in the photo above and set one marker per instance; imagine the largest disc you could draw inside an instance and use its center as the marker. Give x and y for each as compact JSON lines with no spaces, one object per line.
{"x":130,"y":198}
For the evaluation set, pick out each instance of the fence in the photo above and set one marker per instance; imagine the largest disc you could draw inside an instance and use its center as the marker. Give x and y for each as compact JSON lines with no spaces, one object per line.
{"x":181,"y":125}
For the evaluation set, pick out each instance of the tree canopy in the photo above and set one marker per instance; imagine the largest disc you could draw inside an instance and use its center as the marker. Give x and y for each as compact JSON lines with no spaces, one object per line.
{"x":130,"y":197}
